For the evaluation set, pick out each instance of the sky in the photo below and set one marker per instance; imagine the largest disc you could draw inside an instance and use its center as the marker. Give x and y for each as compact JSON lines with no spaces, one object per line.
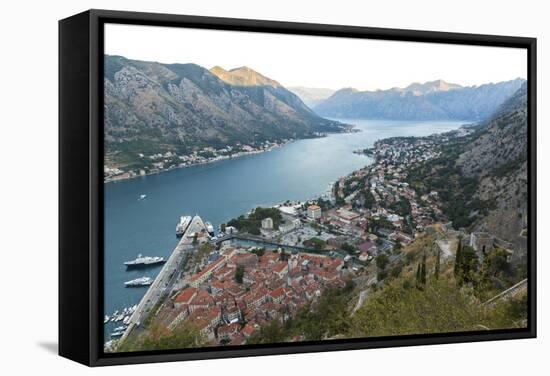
{"x":319,"y":62}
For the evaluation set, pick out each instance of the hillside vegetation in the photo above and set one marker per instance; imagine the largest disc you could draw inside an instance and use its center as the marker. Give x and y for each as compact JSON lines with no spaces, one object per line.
{"x":422,"y":293}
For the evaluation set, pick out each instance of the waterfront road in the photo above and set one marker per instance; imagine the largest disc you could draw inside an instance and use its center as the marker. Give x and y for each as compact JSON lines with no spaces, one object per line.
{"x":167,"y":277}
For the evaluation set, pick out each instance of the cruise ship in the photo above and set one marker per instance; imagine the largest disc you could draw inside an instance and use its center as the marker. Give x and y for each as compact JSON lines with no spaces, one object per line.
{"x":209,"y":228}
{"x":144,"y":261}
{"x":138,"y":282}
{"x":182,"y":225}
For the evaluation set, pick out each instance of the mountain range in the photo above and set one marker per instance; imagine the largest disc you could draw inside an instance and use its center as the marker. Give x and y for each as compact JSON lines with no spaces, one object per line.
{"x":188,"y":105}
{"x":310,"y":95}
{"x":435,"y":100}
{"x":150,"y":106}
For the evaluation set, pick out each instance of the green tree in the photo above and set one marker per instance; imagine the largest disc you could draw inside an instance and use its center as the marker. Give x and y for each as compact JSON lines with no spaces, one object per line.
{"x":423,"y":271}
{"x":396,"y":270}
{"x":437,"y":263}
{"x":258,"y":251}
{"x":348,"y":248}
{"x":397,"y":245}
{"x":458,"y":258}
{"x":468,"y":265}
{"x":315,"y":243}
{"x":239,"y":274}
{"x":418,"y":272}
{"x":382,"y":261}
{"x":253,"y":222}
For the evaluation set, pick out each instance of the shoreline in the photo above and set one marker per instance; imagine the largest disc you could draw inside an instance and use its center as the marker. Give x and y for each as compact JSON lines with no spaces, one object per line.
{"x":353,"y":129}
{"x":214,"y":160}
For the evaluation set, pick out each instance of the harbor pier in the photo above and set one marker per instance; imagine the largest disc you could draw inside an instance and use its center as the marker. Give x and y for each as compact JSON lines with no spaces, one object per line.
{"x":166,"y":278}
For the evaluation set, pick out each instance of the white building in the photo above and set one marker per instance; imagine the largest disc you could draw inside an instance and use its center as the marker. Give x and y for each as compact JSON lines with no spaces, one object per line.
{"x":267,"y":223}
{"x":230,"y":230}
{"x":314,"y":212}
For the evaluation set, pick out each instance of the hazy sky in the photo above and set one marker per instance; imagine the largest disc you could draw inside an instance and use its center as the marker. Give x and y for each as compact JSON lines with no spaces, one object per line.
{"x":319,"y":61}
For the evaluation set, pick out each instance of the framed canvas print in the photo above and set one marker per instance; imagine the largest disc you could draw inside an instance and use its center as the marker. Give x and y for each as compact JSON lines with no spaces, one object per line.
{"x":235,"y":187}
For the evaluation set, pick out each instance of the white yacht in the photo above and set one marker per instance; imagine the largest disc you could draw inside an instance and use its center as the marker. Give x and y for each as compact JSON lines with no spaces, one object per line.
{"x":138,"y":282}
{"x":143,"y":261}
{"x":182,"y":225}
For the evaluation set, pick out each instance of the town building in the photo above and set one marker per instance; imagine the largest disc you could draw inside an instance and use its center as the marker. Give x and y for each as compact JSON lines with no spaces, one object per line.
{"x":314,"y":212}
{"x":185,"y":297}
{"x":347,"y":216}
{"x":267,"y":223}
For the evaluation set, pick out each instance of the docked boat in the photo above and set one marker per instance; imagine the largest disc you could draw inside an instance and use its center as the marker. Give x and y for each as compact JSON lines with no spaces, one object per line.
{"x":209,"y":228}
{"x":144,"y":261}
{"x":181,"y":227}
{"x":139,"y":282}
{"x":114,"y":316}
{"x":117,"y":334}
{"x":106,"y":319}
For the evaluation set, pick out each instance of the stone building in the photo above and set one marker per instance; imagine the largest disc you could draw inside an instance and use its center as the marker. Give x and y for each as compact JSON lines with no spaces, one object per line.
{"x":482,"y":242}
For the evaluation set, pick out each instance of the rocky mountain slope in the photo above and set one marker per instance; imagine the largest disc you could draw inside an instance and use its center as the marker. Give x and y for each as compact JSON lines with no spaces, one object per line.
{"x":185,"y":104}
{"x":417,"y":88}
{"x":497,"y":158}
{"x":436,"y":100}
{"x":243,"y":76}
{"x":481,"y":177}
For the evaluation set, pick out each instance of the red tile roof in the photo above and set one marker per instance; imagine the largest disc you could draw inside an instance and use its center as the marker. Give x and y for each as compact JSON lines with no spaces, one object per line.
{"x":186,"y":295}
{"x":280,"y":266}
{"x":277,"y":293}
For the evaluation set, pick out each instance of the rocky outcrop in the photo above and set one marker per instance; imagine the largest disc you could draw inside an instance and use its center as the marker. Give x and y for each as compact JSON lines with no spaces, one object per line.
{"x":497,"y":157}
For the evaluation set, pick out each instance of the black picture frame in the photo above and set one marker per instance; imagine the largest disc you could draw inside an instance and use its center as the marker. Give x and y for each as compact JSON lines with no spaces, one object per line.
{"x":81,"y":184}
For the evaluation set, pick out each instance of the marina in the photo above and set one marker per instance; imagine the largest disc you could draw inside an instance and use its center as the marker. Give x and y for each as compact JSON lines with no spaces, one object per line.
{"x":166,"y":278}
{"x":116,"y":318}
